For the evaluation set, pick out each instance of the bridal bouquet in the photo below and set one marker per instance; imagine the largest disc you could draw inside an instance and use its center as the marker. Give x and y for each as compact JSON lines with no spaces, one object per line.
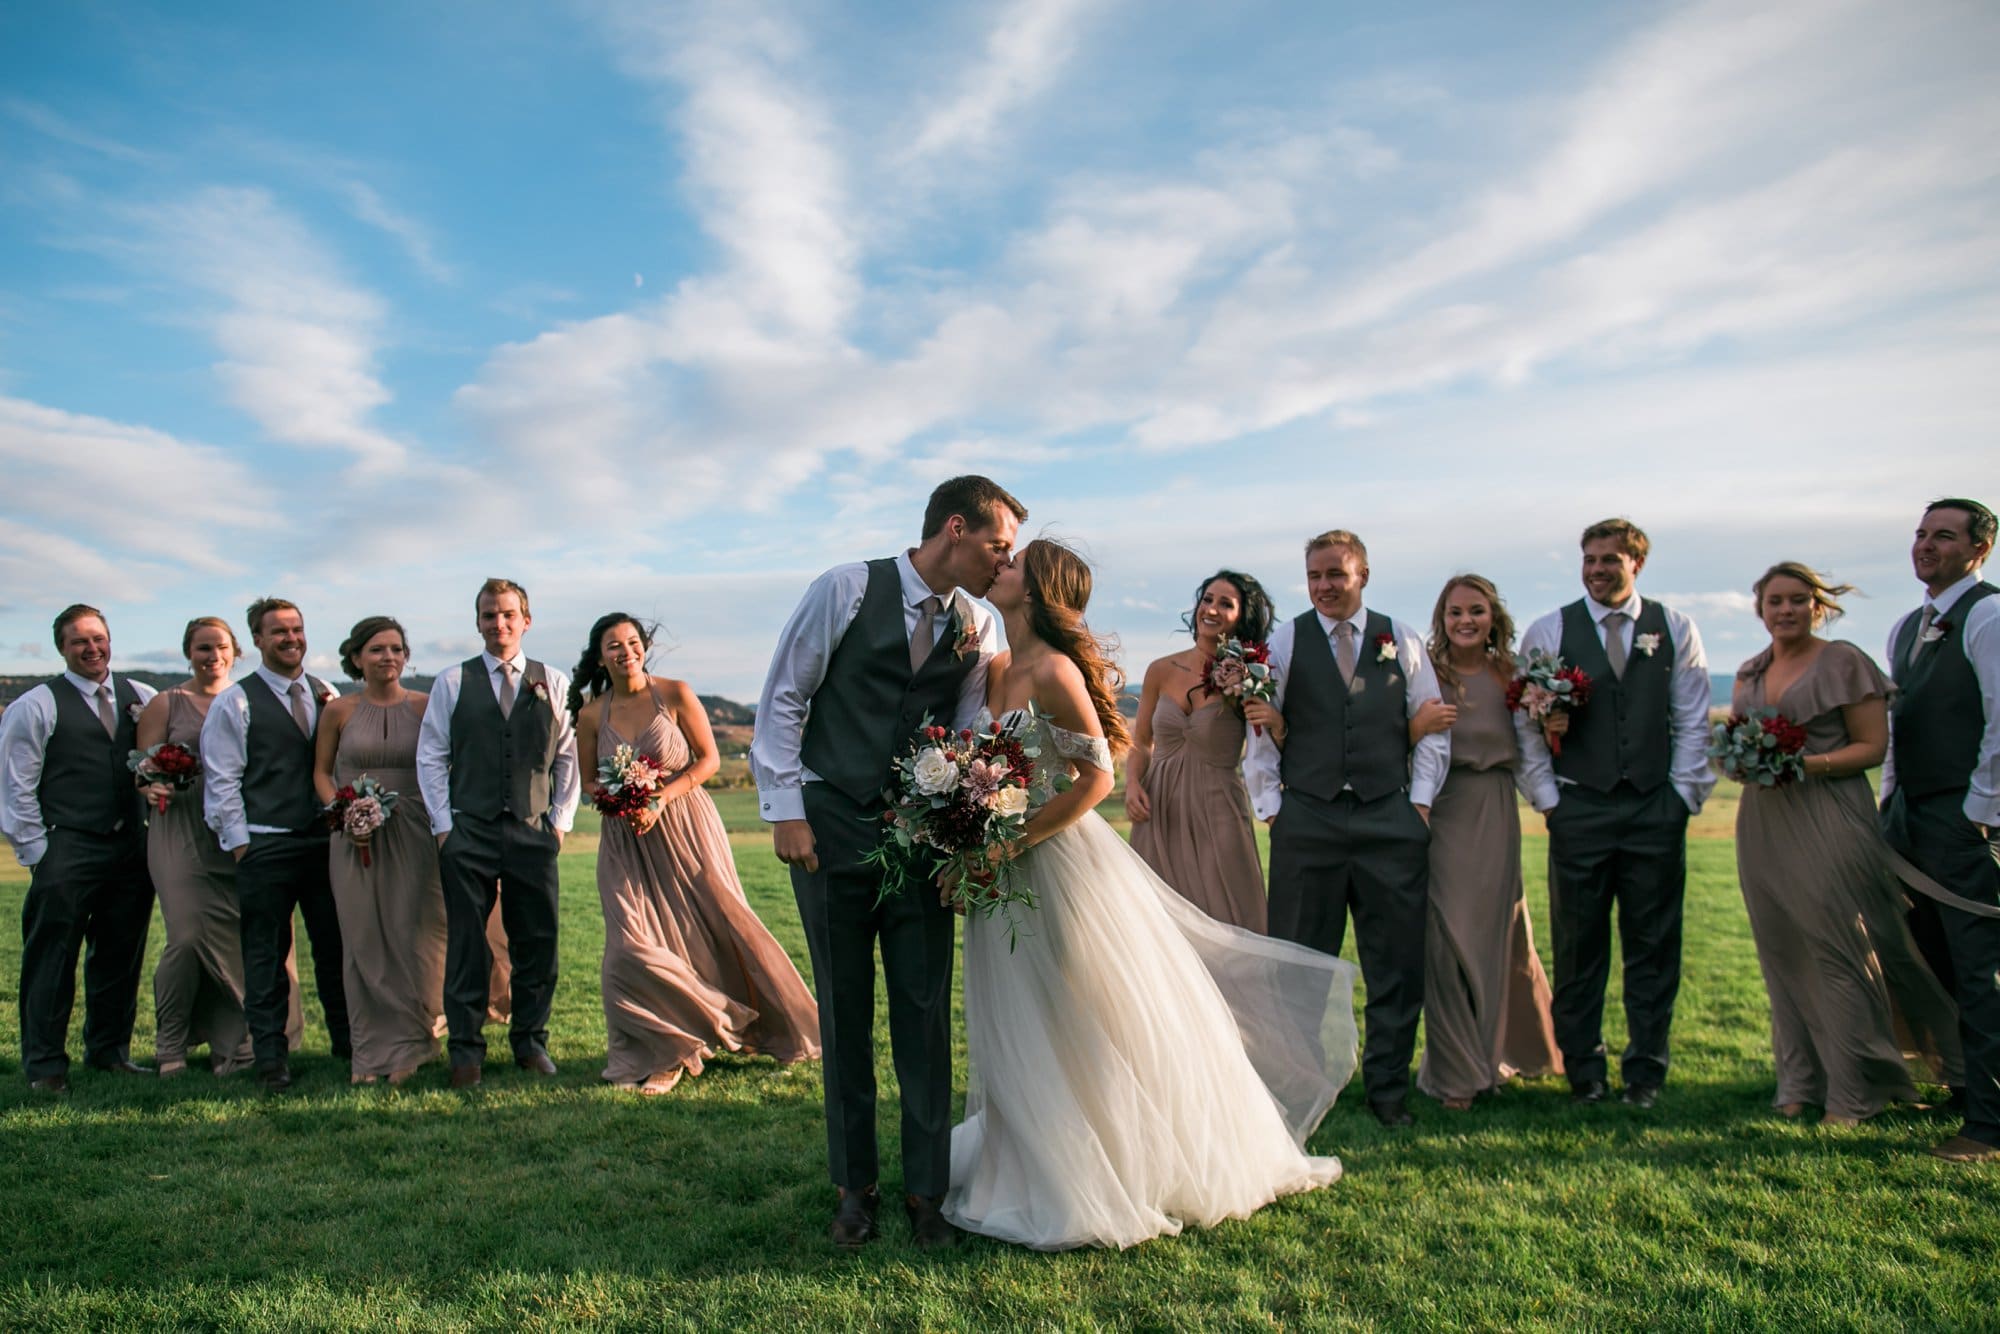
{"x":1240,"y":671}
{"x":359,"y":809}
{"x":628,"y":785}
{"x":1764,"y":748}
{"x":961,"y":800}
{"x":169,"y":762}
{"x":1544,"y":686}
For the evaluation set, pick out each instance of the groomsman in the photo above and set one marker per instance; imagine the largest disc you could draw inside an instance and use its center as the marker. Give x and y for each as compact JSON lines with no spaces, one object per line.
{"x":1634,"y":766}
{"x":496,"y":758}
{"x":874,"y":650}
{"x":1941,"y":787}
{"x":257,"y":760}
{"x":1348,"y":800}
{"x":68,"y":805}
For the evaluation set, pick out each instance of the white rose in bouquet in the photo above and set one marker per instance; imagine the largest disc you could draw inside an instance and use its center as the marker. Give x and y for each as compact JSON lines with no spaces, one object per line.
{"x":1009,"y":802}
{"x":933,"y":774}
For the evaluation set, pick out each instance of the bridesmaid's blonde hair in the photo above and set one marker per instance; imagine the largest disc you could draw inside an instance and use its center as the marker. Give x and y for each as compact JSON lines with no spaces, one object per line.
{"x":1499,"y":640}
{"x":1823,"y":593}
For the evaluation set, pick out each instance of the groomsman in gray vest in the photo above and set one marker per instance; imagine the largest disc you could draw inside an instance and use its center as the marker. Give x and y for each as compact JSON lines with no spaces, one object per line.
{"x":1348,"y":800}
{"x":1634,"y":766}
{"x":496,"y":758}
{"x":68,"y":806}
{"x":1941,"y":788}
{"x":873,"y":651}
{"x":257,"y":762}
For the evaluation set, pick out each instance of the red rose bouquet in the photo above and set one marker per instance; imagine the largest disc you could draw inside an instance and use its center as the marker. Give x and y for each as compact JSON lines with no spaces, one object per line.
{"x":1240,"y":671}
{"x":169,"y":762}
{"x":1544,"y":686}
{"x":359,"y":809}
{"x":1763,"y":748}
{"x":628,"y":785}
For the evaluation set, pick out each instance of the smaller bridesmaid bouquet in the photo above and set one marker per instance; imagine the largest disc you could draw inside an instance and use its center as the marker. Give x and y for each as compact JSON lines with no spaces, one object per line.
{"x":1241,"y":671}
{"x":169,"y":762}
{"x":359,"y":809}
{"x":1764,"y":748}
{"x":628,"y":785}
{"x":1544,"y":686}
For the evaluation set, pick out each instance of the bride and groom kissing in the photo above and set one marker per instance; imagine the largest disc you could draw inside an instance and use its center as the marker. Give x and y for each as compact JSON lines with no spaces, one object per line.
{"x":1136,"y":1065}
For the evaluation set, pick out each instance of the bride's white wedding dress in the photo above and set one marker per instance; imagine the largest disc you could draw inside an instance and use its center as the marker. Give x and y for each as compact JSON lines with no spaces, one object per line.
{"x":1135,"y":1064}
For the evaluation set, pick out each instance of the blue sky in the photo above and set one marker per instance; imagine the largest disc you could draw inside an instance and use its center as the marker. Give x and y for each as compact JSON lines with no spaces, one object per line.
{"x":668,"y":307}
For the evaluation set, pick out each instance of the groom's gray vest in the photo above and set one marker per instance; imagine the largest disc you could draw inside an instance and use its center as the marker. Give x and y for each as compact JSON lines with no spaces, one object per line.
{"x":1625,"y":733}
{"x":869,"y":705}
{"x":1938,"y":706}
{"x":500,"y":762}
{"x":1358,"y":737}
{"x":278,"y":760}
{"x":85,"y":784}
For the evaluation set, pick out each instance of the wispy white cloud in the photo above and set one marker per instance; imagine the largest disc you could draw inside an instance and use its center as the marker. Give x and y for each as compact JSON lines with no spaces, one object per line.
{"x":46,"y":121}
{"x":367,"y":204}
{"x":1027,"y":48}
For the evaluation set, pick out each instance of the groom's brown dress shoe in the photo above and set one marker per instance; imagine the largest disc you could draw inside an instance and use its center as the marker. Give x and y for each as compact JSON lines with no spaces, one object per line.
{"x":854,"y":1218}
{"x":929,"y":1228}
{"x":536,"y":1063}
{"x":1965,"y":1149}
{"x":465,"y":1076}
{"x":50,"y":1084}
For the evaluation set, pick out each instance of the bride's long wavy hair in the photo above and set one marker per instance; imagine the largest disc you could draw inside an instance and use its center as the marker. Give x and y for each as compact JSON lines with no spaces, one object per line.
{"x":1057,"y":582}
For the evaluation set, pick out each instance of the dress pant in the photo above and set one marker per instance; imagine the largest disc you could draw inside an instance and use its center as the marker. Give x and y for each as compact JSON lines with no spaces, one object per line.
{"x":280,"y":873}
{"x":91,"y":890}
{"x":1933,"y":834}
{"x":1371,"y":858}
{"x":843,"y":920}
{"x":1628,"y":848}
{"x":515,"y":861}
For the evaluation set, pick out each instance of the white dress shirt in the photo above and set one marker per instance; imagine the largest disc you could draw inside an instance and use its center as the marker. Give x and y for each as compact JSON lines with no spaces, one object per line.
{"x":1981,"y":641}
{"x":225,"y":741}
{"x":1688,"y":695}
{"x":806,"y":646}
{"x":1428,"y":762}
{"x":24,"y":740}
{"x":434,"y":741}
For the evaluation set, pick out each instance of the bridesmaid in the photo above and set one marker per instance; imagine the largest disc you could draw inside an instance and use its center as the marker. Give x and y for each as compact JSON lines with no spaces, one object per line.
{"x":1486,"y":998}
{"x":392,"y":910}
{"x":198,"y":986}
{"x":1184,"y":789}
{"x":1844,"y":977}
{"x":688,"y":967}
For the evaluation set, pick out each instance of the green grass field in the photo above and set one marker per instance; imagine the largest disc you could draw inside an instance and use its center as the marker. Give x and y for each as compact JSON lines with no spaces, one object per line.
{"x":196,"y":1204}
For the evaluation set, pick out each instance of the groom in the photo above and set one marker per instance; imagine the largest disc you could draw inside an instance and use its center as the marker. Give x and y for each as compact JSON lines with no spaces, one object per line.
{"x":873,"y":651}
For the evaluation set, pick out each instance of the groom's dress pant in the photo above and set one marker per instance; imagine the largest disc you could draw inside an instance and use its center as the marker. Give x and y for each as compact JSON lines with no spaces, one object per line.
{"x":843,"y":921}
{"x":1628,"y":848}
{"x":93,"y":891}
{"x":1934,"y":835}
{"x":1371,"y":858}
{"x":515,"y":861}
{"x":280,"y":872}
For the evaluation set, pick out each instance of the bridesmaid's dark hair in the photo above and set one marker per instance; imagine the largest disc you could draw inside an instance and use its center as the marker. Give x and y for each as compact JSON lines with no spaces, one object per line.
{"x":1499,"y":640}
{"x":1255,"y":613}
{"x":1058,"y":587}
{"x":357,"y":639}
{"x":591,"y":679}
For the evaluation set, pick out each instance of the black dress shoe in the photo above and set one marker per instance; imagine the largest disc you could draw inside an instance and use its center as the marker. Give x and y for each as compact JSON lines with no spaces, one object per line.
{"x":275,"y":1078}
{"x":1392,"y":1112}
{"x":50,"y":1084}
{"x":1588,"y":1092}
{"x":1641,"y":1095}
{"x":929,"y":1227}
{"x":123,"y":1068}
{"x":536,"y":1063}
{"x":854,"y":1218}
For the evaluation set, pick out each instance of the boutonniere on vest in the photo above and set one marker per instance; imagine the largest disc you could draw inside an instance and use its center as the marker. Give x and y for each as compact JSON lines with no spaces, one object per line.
{"x":540,"y":690}
{"x":133,"y":711}
{"x":1385,"y":648}
{"x":328,"y":696}
{"x":968,"y":638}
{"x":1937,"y":631}
{"x":1646,"y":644}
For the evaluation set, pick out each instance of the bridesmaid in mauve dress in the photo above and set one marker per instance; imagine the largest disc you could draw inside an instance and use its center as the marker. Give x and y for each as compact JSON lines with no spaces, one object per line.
{"x":689,"y":969}
{"x":198,"y":986}
{"x":1486,"y":998}
{"x":1184,"y":791}
{"x":1851,"y":997}
{"x":392,"y":909}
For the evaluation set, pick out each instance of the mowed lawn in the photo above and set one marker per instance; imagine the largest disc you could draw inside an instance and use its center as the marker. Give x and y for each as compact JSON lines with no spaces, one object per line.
{"x":198,"y":1204}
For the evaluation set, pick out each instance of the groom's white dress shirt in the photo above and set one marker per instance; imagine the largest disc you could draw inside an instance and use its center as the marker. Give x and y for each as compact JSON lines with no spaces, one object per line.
{"x":1981,"y":641}
{"x":1689,"y":771}
{"x":799,"y":665}
{"x":24,"y":741}
{"x":1429,"y":761}
{"x":434,"y":741}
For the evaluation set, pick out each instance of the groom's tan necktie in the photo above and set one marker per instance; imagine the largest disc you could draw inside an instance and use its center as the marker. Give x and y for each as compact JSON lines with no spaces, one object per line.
{"x":924,"y":638}
{"x":1344,"y":650}
{"x":506,"y":689}
{"x":299,"y":713}
{"x":105,"y":713}
{"x":1614,"y":641}
{"x":1923,"y":629}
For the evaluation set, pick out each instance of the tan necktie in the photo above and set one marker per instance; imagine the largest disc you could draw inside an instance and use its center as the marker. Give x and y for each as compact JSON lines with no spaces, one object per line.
{"x":106,"y":714}
{"x":1923,"y":629}
{"x":1344,"y":650}
{"x":299,"y":714}
{"x":1614,"y":641}
{"x":924,"y":638}
{"x":506,"y":690}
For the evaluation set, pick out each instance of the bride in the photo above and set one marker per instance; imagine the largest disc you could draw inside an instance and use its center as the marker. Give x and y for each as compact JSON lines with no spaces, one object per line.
{"x":1136,"y":1065}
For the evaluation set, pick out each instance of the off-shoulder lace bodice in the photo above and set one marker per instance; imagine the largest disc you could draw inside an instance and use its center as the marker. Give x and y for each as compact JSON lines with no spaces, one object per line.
{"x":1092,"y":750}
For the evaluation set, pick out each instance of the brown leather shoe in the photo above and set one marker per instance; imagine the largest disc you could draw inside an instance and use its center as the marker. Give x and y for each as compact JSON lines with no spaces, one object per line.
{"x":1965,"y":1149}
{"x":50,"y":1084}
{"x":929,"y":1228}
{"x":854,"y":1218}
{"x":536,"y":1063}
{"x":465,"y":1076}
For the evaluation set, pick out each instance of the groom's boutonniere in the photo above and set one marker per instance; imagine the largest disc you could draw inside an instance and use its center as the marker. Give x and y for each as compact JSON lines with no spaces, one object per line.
{"x":1385,"y":648}
{"x":967,"y":642}
{"x":1937,"y":631}
{"x":328,"y":696}
{"x":134,"y":710}
{"x":1646,"y":644}
{"x":540,"y":690}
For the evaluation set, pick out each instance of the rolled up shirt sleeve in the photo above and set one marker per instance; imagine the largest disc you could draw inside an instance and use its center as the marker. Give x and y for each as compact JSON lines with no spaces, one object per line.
{"x":434,"y":750}
{"x":24,"y":740}
{"x":798,"y":666}
{"x":566,"y":772}
{"x":1693,"y":775}
{"x":224,"y":734}
{"x":1430,"y":760}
